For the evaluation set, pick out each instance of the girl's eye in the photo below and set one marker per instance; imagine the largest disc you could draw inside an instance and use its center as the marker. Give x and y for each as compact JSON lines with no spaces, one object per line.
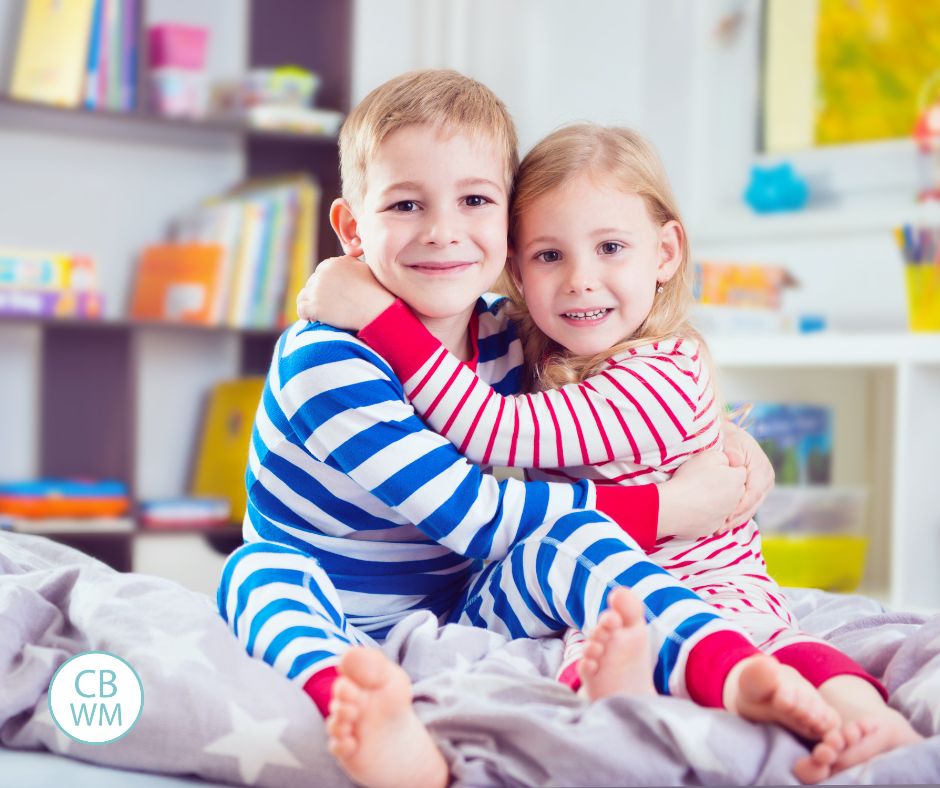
{"x":476,"y":201}
{"x":550,"y":256}
{"x":610,"y":247}
{"x":405,"y":206}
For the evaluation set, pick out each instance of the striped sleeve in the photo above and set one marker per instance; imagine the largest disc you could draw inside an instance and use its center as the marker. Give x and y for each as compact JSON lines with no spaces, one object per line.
{"x":347,"y":409}
{"x":642,"y":408}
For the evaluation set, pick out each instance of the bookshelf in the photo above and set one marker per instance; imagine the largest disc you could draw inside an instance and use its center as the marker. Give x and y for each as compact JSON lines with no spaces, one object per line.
{"x":123,"y":399}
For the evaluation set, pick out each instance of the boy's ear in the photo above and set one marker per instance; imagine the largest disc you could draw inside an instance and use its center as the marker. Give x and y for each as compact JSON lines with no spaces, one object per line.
{"x":346,"y":227}
{"x":671,"y":244}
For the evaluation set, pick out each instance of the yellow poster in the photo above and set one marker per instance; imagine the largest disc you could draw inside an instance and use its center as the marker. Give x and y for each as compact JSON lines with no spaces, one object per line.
{"x":873,"y":57}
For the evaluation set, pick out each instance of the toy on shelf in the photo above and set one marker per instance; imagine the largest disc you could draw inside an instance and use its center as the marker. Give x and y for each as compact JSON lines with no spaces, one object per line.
{"x":774,"y":189}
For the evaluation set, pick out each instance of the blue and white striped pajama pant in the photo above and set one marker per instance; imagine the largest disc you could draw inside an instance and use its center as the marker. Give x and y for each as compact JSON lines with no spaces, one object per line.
{"x":284,"y":609}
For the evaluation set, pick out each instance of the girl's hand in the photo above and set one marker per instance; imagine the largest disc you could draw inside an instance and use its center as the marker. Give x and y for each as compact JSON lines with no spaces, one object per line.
{"x":343,"y":292}
{"x":701,"y":496}
{"x":743,"y":451}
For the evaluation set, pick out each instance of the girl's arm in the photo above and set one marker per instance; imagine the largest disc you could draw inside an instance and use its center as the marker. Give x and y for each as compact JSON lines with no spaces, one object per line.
{"x":644,"y":409}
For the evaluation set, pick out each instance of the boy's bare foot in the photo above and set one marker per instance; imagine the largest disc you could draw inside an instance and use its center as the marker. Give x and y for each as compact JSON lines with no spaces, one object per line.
{"x":855,"y":742}
{"x":616,"y":657}
{"x":762,"y":690}
{"x":373,"y":731}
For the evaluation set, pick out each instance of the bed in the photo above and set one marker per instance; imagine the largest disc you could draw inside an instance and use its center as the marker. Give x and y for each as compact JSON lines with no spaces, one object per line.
{"x":214,"y":715}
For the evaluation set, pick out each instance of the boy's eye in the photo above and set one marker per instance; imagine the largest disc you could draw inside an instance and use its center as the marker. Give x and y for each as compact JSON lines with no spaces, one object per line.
{"x":610,"y":247}
{"x":476,"y":200}
{"x":405,"y":206}
{"x":549,"y":256}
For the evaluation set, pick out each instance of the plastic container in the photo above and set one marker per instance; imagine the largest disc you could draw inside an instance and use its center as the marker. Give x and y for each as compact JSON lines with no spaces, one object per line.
{"x":172,"y":45}
{"x":812,"y":509}
{"x":832,"y":562}
{"x":923,"y":295}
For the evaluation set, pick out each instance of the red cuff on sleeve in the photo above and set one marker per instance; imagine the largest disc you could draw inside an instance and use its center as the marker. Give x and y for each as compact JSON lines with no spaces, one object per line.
{"x":634,"y":509}
{"x":320,"y":688}
{"x":401,"y":339}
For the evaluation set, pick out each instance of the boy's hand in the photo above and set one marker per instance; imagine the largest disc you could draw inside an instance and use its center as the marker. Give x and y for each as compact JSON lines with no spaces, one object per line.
{"x":743,"y":451}
{"x":701,"y":496}
{"x":342,"y":292}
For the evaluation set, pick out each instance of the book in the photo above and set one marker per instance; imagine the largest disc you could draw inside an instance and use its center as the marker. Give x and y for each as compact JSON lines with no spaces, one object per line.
{"x":303,"y":247}
{"x":171,"y":513}
{"x":51,"y":55}
{"x":46,"y":271}
{"x":797,"y":438}
{"x":222,"y":454}
{"x":130,"y":38}
{"x":250,"y":248}
{"x":84,"y":304}
{"x":177,"y":283}
{"x":91,"y":97}
{"x":67,"y":525}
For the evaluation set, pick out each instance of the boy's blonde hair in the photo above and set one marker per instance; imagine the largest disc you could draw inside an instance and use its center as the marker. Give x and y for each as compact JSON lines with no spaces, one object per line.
{"x":435,"y":97}
{"x":624,"y":158}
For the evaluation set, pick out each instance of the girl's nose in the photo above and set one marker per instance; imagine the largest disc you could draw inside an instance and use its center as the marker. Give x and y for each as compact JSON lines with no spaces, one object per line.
{"x":580,"y":278}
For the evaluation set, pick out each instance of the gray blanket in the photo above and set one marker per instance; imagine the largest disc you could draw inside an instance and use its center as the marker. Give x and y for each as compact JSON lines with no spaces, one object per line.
{"x":212,"y":711}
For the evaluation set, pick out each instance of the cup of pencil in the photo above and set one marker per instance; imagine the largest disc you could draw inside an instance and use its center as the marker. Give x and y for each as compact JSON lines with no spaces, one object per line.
{"x":920,"y":247}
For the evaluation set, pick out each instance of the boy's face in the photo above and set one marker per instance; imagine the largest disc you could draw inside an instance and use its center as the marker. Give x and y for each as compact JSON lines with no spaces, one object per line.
{"x":433,"y":219}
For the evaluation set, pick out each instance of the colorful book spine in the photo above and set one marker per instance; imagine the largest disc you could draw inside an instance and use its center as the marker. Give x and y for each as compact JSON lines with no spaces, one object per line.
{"x":51,"y":303}
{"x":92,"y":100}
{"x":130,"y":54}
{"x":115,"y":53}
{"x":41,"y":271}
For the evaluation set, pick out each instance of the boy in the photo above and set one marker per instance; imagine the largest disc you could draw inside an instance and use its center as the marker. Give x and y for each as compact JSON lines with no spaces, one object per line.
{"x":358,"y":515}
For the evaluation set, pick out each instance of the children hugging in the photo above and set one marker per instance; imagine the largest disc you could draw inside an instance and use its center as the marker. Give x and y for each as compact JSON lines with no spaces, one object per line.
{"x":590,"y":378}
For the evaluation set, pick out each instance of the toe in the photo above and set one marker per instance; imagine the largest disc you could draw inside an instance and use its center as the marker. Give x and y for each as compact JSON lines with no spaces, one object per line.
{"x":346,"y":692}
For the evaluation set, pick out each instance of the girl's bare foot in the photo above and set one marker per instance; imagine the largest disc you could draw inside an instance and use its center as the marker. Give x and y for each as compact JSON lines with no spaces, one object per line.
{"x":855,"y":742}
{"x":762,"y":690}
{"x":616,"y":657}
{"x":372,"y":729}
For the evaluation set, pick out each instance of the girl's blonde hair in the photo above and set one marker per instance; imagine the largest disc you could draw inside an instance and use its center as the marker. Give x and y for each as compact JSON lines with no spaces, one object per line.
{"x":624,"y":158}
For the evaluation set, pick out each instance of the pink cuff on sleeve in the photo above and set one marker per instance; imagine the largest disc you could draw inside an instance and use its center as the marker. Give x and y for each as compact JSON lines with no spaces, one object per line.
{"x":401,"y":339}
{"x":634,"y":509}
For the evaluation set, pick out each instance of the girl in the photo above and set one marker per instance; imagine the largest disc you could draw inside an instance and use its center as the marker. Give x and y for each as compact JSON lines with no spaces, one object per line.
{"x":600,"y":277}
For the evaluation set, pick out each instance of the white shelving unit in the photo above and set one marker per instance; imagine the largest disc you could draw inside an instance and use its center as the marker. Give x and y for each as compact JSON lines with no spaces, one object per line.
{"x":885,"y":392}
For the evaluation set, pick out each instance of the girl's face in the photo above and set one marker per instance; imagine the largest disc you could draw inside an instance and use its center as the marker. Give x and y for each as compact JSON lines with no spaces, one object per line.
{"x":589,"y":258}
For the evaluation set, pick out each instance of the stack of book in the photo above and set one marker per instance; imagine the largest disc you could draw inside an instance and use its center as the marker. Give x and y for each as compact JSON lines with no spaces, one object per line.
{"x":238,"y":260}
{"x":40,"y":284}
{"x":740,"y":298}
{"x":79,"y":53}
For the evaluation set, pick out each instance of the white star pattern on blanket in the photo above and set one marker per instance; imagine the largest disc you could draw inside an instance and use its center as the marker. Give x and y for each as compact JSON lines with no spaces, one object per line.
{"x":170,"y":651}
{"x":255,"y":743}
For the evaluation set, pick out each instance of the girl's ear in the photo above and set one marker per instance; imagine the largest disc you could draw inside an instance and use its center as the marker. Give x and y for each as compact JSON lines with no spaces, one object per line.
{"x":346,"y":227}
{"x":671,"y":244}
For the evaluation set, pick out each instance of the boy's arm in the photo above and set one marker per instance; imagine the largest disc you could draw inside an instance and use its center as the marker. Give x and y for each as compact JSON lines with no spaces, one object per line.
{"x":643,"y":409}
{"x":348,"y":410}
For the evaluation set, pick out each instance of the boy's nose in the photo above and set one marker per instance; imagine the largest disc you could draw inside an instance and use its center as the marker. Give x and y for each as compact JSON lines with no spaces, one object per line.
{"x":440,"y":229}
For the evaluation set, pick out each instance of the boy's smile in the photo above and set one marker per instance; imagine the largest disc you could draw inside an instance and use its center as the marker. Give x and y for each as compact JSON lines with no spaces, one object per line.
{"x":433,"y":220}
